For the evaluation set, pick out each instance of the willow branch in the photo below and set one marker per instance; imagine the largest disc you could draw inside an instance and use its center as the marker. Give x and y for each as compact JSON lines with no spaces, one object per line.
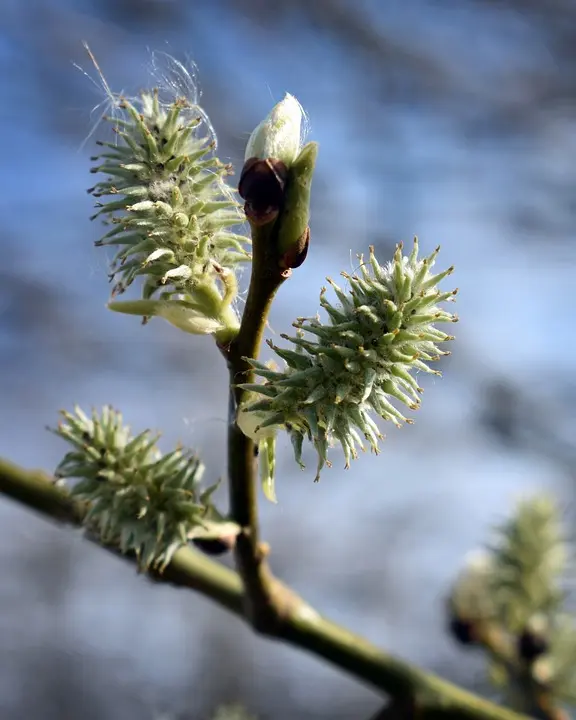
{"x":302,"y":627}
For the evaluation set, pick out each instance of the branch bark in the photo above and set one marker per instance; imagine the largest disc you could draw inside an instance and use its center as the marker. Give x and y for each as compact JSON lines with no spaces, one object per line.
{"x":267,"y":600}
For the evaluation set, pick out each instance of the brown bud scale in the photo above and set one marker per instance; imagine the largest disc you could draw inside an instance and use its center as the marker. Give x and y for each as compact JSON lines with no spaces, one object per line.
{"x":261,"y":186}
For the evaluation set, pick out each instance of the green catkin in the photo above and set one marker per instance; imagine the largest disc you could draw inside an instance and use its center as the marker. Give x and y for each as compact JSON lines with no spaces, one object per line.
{"x":361,"y":361}
{"x":138,"y":499}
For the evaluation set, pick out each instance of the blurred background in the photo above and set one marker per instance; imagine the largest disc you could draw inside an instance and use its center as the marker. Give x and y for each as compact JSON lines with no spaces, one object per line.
{"x":452,"y":120}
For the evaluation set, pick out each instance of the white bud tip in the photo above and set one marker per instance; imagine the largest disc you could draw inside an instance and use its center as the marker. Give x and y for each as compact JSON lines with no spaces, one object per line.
{"x":279,"y":135}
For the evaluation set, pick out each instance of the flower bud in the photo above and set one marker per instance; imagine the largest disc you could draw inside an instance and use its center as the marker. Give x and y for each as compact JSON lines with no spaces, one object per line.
{"x":271,"y":150}
{"x":278,"y":136}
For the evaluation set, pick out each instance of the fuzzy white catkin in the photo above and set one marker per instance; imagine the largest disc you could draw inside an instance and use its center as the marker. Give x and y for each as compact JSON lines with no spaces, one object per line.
{"x":171,"y":212}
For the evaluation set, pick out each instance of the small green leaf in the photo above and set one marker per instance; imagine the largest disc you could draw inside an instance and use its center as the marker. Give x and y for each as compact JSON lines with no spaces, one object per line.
{"x":267,"y":456}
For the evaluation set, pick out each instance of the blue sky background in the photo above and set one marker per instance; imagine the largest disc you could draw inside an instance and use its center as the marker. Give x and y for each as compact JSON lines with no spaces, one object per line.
{"x":452,"y":121}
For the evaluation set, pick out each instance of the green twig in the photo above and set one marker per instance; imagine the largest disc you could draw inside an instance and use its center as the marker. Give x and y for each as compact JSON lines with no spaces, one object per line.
{"x":40,"y":492}
{"x":267,"y":600}
{"x":188,"y":568}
